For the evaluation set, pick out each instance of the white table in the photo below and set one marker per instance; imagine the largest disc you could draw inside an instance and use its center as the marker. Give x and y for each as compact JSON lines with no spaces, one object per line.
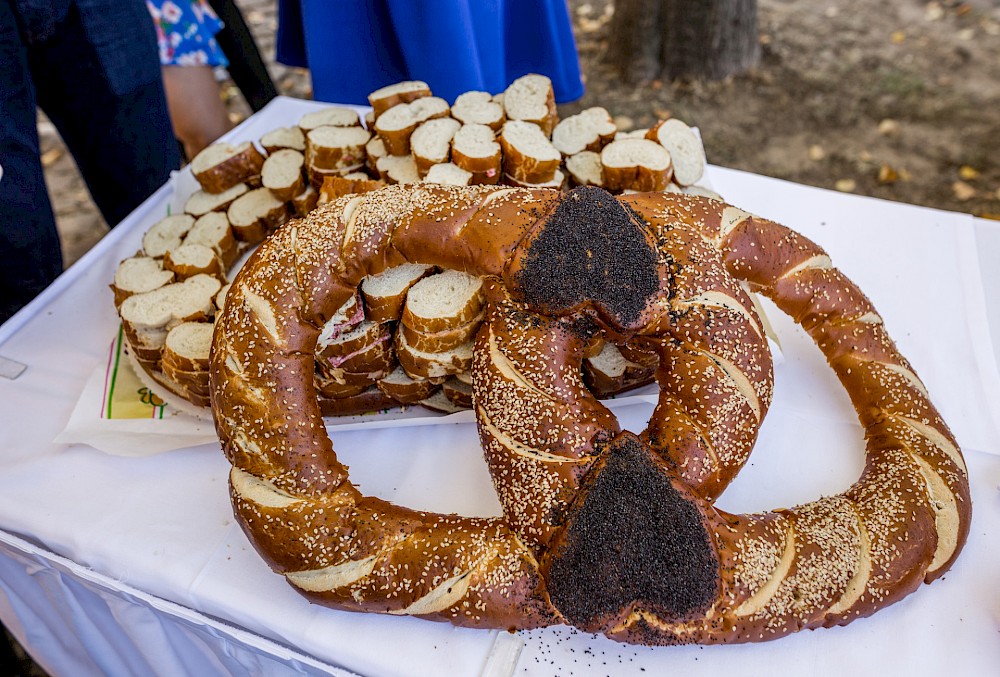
{"x":112,"y":565}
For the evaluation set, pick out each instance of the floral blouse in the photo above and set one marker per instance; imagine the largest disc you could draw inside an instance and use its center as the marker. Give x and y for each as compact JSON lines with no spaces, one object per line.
{"x":185,"y":30}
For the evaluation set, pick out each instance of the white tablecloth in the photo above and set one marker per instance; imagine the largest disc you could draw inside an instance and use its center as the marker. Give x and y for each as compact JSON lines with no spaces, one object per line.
{"x":108,"y":563}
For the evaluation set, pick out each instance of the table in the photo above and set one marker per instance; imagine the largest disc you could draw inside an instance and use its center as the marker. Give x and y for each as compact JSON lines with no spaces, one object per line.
{"x":112,"y":565}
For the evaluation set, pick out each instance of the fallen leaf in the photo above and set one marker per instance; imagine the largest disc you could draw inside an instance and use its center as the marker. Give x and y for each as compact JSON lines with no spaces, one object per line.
{"x":816,"y":152}
{"x":967,"y":173}
{"x":887,"y":174}
{"x":50,"y":156}
{"x":846,"y":185}
{"x":963,"y":191}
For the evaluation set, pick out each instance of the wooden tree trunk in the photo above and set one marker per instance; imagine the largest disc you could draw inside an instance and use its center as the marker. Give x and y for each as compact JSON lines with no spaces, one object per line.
{"x":691,"y":39}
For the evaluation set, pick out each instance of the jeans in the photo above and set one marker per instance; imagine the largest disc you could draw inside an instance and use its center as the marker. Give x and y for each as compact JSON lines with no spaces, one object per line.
{"x":92,"y":66}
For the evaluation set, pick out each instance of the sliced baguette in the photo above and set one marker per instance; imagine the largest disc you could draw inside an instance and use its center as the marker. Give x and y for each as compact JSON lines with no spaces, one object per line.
{"x":189,"y":260}
{"x":530,"y":98}
{"x":334,"y":116}
{"x":221,"y":166}
{"x":636,"y":164}
{"x":282,"y":173}
{"x":591,"y":129}
{"x":255,"y":214}
{"x":355,"y":183}
{"x":397,"y":124}
{"x":474,"y":148}
{"x":585,"y":169}
{"x":558,"y":182}
{"x":213,"y":230}
{"x":442,"y":341}
{"x":187,"y":348}
{"x":374,"y":150}
{"x":686,"y":150}
{"x":306,"y":201}
{"x":387,"y":97}
{"x":284,"y":137}
{"x":333,"y":347}
{"x":443,"y":301}
{"x":458,"y":392}
{"x":401,"y":387}
{"x":528,"y":155}
{"x":166,"y":234}
{"x":479,"y":108}
{"x":431,"y":143}
{"x":338,"y":149}
{"x":398,"y":169}
{"x":384,"y":294}
{"x":138,"y":275}
{"x":448,"y":174}
{"x":419,"y":364}
{"x":344,"y":319}
{"x":201,"y":203}
{"x":172,"y":304}
{"x":368,"y":400}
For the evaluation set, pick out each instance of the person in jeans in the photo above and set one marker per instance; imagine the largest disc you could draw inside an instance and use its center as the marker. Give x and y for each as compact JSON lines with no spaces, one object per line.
{"x":92,"y":66}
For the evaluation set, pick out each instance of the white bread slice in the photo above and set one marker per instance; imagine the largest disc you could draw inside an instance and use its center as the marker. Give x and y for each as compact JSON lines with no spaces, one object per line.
{"x":530,"y":98}
{"x":138,"y":275}
{"x":201,"y":203}
{"x":528,"y":155}
{"x":189,"y":260}
{"x":458,"y":392}
{"x":282,"y":173}
{"x":474,"y":148}
{"x":431,"y":143}
{"x":636,"y":164}
{"x":439,"y":402}
{"x":605,"y":372}
{"x":374,"y":150}
{"x":253,"y":215}
{"x":591,"y":129}
{"x":213,"y":230}
{"x":306,"y":201}
{"x":384,"y":294}
{"x":369,"y":119}
{"x":334,"y":116}
{"x":585,"y":168}
{"x":633,"y":134}
{"x":284,"y":137}
{"x":401,"y":387}
{"x":170,"y":305}
{"x":398,"y":169}
{"x":443,"y":301}
{"x":220,"y":296}
{"x":166,"y":234}
{"x":351,"y":339}
{"x":339,"y":149}
{"x":221,"y":166}
{"x":354,"y":183}
{"x":478,"y":108}
{"x":387,"y":97}
{"x":419,"y":364}
{"x":442,"y":341}
{"x":372,"y":354}
{"x":397,"y":124}
{"x":344,"y":319}
{"x":448,"y":174}
{"x":558,"y":182}
{"x":368,"y":400}
{"x":187,"y":347}
{"x":686,"y":150}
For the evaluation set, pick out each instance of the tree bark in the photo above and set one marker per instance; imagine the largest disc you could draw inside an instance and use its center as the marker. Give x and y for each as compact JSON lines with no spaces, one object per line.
{"x":687,"y":39}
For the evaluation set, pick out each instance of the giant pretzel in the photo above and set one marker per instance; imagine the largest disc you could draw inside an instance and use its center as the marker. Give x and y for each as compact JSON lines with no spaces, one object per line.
{"x":601,"y":529}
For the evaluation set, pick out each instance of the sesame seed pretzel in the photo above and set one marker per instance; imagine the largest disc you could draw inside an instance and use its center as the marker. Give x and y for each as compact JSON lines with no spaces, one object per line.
{"x":602,"y":529}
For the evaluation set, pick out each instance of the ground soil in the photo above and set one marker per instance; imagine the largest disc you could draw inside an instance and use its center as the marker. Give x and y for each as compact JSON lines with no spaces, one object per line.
{"x":898,"y":99}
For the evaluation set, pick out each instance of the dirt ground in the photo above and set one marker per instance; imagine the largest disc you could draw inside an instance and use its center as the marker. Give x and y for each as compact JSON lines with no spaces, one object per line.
{"x":897,"y":99}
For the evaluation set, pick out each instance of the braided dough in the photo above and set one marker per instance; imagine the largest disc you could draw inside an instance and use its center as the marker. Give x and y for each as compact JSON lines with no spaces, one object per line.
{"x":602,"y":529}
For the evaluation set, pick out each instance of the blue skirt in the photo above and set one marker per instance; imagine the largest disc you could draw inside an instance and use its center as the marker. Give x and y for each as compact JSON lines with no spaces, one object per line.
{"x":353,"y":47}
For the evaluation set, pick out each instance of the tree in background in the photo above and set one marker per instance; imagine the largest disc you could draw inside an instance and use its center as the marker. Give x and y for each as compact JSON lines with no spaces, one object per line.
{"x":691,"y":39}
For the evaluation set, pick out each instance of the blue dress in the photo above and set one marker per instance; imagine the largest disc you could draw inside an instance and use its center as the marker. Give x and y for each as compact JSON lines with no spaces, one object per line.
{"x":353,"y":47}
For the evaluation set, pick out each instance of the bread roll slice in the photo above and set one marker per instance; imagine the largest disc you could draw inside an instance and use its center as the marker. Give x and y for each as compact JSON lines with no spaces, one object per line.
{"x":442,"y":341}
{"x":166,"y":234}
{"x":374,"y":150}
{"x":335,"y":350}
{"x":479,"y":108}
{"x":201,"y":203}
{"x":138,"y":275}
{"x":397,"y":124}
{"x":419,"y":364}
{"x":686,"y":150}
{"x":213,"y":231}
{"x":528,"y":155}
{"x":448,"y":174}
{"x":585,"y":169}
{"x":338,"y":149}
{"x":220,"y":296}
{"x":282,"y":173}
{"x":439,"y":402}
{"x":354,"y":183}
{"x":172,"y":304}
{"x":591,"y":129}
{"x":187,"y":348}
{"x":530,"y":98}
{"x":636,"y":164}
{"x":254,"y":215}
{"x":398,"y":169}
{"x":189,"y":260}
{"x":558,"y":182}
{"x":334,"y":116}
{"x":368,"y":400}
{"x":474,"y":148}
{"x":401,"y":387}
{"x":344,"y":319}
{"x":384,"y":294}
{"x":443,"y":301}
{"x":390,"y":96}
{"x":221,"y":166}
{"x":284,"y":137}
{"x":458,"y":392}
{"x":306,"y":201}
{"x":431,"y":143}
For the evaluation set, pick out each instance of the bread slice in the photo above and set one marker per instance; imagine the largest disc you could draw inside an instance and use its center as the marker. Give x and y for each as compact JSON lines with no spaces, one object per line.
{"x":591,"y":129}
{"x":172,"y":304}
{"x":686,"y":150}
{"x":343,"y":320}
{"x":362,"y":348}
{"x":530,"y":98}
{"x":306,"y":201}
{"x":585,"y":169}
{"x":284,"y":137}
{"x":443,"y":301}
{"x":368,"y":400}
{"x":440,"y":403}
{"x":213,"y":230}
{"x":458,"y":392}
{"x":221,"y":166}
{"x":431,"y":143}
{"x":187,"y":348}
{"x":282,"y":173}
{"x":448,"y":174}
{"x":374,"y":150}
{"x":189,"y":260}
{"x":387,"y":97}
{"x":334,"y":116}
{"x":419,"y":364}
{"x":401,"y":387}
{"x":398,"y":169}
{"x":528,"y":155}
{"x":220,"y":296}
{"x":474,"y":148}
{"x":384,"y":294}
{"x":442,"y":341}
{"x":338,"y":149}
{"x":632,"y":134}
{"x":254,"y":215}
{"x":636,"y":164}
{"x":558,"y":182}
{"x":478,"y":108}
{"x":329,"y":388}
{"x":354,"y":183}
{"x":201,"y":203}
{"x":138,"y":275}
{"x":166,"y":234}
{"x":397,"y":124}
